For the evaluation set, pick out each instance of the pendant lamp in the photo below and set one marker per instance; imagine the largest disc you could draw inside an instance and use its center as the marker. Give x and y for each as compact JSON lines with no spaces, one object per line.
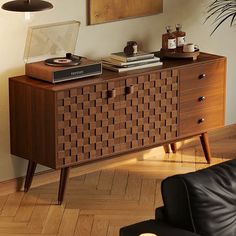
{"x":27,"y":5}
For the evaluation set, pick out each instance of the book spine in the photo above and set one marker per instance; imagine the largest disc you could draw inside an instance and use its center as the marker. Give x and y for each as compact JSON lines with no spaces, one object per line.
{"x":145,"y":66}
{"x":124,"y":69}
{"x":138,"y":58}
{"x":122,"y":59}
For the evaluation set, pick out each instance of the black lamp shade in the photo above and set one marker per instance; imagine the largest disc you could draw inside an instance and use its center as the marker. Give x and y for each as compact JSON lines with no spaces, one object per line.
{"x":27,"y":5}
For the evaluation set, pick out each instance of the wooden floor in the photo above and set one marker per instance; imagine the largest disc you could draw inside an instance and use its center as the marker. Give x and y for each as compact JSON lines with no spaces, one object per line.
{"x":98,"y":204}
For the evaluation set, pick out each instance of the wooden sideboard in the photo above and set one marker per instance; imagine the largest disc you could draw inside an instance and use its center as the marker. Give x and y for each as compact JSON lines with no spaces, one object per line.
{"x":87,"y":120}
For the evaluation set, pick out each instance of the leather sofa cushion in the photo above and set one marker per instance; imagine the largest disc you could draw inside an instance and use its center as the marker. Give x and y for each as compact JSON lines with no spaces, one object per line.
{"x":203,"y":201}
{"x":156,"y":227}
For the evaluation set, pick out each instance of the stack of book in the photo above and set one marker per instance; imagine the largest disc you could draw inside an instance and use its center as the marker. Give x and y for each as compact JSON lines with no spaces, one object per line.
{"x":121,"y":63}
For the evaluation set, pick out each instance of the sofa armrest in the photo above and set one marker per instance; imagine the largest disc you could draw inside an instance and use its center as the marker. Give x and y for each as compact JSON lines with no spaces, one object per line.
{"x":159,"y":228}
{"x":160,"y":213}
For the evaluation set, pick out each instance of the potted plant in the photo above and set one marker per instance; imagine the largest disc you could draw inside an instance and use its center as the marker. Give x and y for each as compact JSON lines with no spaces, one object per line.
{"x":220,"y":11}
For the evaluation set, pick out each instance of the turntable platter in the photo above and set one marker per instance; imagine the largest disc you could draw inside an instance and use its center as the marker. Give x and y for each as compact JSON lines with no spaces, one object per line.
{"x":69,"y":60}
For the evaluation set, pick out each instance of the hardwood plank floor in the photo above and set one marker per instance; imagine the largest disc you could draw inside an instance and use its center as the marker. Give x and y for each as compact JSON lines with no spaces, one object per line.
{"x":99,"y":203}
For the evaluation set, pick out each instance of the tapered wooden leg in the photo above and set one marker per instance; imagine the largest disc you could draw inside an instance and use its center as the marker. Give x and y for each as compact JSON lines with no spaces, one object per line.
{"x":206,"y":147}
{"x":62,"y":186}
{"x":29,"y":175}
{"x":166,"y":148}
{"x":173,"y":147}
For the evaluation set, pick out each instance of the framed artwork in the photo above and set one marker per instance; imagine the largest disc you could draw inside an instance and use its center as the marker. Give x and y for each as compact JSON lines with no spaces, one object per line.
{"x":101,"y":11}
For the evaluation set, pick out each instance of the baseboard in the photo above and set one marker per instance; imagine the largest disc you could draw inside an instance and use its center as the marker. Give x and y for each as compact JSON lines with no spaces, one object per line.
{"x":51,"y":176}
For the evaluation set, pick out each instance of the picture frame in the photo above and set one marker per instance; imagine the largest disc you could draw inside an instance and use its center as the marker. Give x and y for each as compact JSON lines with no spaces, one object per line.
{"x":102,"y":11}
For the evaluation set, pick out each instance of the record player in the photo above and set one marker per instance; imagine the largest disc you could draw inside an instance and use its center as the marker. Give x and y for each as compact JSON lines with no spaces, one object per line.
{"x":49,"y":54}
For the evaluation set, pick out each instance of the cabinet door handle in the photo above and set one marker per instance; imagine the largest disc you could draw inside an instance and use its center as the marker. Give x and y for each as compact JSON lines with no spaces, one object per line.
{"x":111,"y":93}
{"x":202,"y":99}
{"x":202,"y":76}
{"x":129,"y":90}
{"x":200,"y":121}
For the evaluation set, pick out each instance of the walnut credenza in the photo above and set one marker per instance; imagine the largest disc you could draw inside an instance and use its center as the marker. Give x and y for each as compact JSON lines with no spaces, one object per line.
{"x":87,"y":120}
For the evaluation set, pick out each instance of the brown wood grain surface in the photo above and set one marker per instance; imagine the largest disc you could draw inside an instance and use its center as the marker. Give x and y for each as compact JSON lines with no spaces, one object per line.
{"x":202,"y":76}
{"x":108,"y":75}
{"x":202,"y":97}
{"x":213,"y":118}
{"x":101,"y":11}
{"x":32,"y":117}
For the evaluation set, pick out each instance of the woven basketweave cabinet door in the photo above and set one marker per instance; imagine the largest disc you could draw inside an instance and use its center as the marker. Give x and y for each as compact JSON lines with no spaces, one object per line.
{"x":87,"y":123}
{"x":102,"y":120}
{"x":149,"y":114}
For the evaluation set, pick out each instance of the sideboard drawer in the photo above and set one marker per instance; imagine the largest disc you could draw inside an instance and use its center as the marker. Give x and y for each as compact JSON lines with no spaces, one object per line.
{"x":201,"y":121}
{"x":202,"y":75}
{"x":201,"y":99}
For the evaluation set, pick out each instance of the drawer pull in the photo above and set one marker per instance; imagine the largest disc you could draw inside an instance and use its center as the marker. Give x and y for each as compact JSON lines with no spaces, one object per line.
{"x":129,"y":90}
{"x":202,"y":76}
{"x":111,"y":93}
{"x":202,"y":99}
{"x":200,"y":121}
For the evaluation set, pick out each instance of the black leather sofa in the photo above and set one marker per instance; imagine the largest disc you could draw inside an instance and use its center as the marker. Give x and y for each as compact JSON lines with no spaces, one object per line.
{"x":199,"y":203}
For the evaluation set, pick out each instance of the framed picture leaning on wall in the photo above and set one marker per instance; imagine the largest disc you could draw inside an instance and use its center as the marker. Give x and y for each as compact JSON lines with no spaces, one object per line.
{"x":102,"y":11}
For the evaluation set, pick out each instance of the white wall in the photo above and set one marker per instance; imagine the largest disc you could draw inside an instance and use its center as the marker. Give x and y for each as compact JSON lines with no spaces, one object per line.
{"x":101,"y":40}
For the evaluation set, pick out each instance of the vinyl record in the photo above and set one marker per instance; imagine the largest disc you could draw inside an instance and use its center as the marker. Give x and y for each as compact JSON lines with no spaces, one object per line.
{"x":62,"y":61}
